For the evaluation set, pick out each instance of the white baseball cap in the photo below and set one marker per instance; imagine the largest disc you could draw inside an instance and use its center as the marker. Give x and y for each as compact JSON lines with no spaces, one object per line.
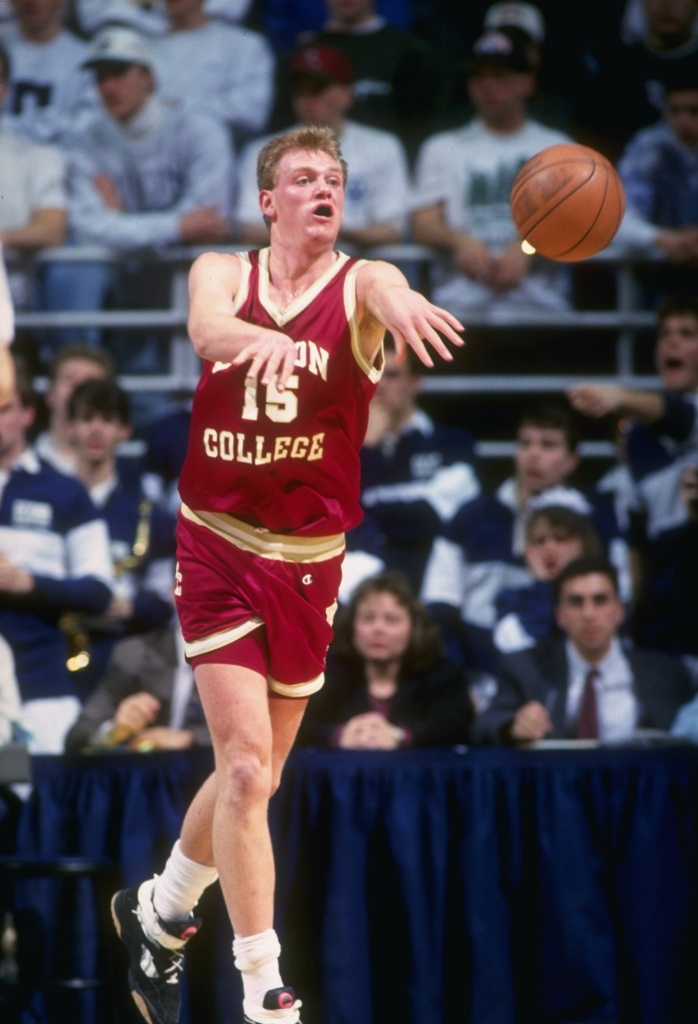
{"x":524,"y":16}
{"x":119,"y":45}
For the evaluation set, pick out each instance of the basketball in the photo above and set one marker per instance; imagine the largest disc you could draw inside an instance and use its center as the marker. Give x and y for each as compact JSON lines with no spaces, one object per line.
{"x":567,"y":202}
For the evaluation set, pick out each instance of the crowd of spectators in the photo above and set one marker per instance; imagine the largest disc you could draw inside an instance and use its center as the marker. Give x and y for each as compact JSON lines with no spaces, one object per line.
{"x":136,"y":127}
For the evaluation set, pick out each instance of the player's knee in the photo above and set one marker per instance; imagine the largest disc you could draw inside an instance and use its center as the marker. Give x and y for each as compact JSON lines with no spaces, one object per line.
{"x":244,"y":779}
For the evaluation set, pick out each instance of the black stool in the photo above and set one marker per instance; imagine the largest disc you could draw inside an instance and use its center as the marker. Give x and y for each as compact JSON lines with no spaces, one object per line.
{"x":49,"y":937}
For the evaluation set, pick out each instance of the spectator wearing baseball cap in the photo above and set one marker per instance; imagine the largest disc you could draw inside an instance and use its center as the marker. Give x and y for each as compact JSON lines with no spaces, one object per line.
{"x":401,"y":81}
{"x":525,"y":25}
{"x":525,"y":17}
{"x":141,"y":174}
{"x":321,"y":86}
{"x":463,"y":178}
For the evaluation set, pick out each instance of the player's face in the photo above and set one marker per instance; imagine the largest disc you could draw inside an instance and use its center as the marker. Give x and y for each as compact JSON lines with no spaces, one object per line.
{"x":677,"y":354}
{"x":15,"y":421}
{"x":124,"y":88}
{"x":590,"y":613}
{"x":542,"y":458}
{"x":307,"y":200}
{"x":382,"y":628}
{"x":95,"y":436}
{"x":71,"y":373}
{"x":681,"y":115}
{"x":550,"y":548}
{"x":317,"y":102}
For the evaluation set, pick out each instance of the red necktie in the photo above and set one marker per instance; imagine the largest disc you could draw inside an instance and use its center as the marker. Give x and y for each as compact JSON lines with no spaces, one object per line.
{"x":588,"y":715}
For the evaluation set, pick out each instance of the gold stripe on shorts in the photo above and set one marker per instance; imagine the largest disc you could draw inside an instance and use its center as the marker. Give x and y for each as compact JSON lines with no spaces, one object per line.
{"x":260,"y":541}
{"x":297,"y":689}
{"x":213,"y":641}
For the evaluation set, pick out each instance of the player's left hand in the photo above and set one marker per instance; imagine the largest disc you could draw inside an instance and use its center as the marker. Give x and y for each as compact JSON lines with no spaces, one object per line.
{"x":413,"y":320}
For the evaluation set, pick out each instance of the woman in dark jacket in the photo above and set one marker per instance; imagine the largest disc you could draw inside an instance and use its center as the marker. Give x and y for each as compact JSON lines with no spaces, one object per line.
{"x":387,"y":683}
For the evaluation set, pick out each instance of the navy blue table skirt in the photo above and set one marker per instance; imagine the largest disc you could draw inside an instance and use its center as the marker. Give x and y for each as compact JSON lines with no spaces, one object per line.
{"x":424,"y":887}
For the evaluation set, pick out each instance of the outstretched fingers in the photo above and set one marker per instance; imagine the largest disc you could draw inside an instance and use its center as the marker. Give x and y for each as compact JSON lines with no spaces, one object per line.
{"x":428,"y":329}
{"x":269,"y":361}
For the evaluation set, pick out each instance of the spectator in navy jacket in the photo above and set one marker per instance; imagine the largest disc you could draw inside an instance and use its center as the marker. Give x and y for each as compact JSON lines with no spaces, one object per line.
{"x":661,"y":445}
{"x":415,"y":473}
{"x":141,"y":532}
{"x":480,"y":552}
{"x":54,"y":558}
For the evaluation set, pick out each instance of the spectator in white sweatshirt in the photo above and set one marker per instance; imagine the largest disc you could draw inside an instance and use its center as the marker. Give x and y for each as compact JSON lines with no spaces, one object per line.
{"x":142,"y":175}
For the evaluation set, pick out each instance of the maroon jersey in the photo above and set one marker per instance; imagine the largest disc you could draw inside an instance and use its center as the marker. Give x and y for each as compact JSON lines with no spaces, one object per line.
{"x":286,"y":461}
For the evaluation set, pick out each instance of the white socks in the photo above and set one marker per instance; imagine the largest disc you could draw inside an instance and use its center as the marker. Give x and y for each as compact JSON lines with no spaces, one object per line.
{"x":257,"y":960}
{"x":180,"y":887}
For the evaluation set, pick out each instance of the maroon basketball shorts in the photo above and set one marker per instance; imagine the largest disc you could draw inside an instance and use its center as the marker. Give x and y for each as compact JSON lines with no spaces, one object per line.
{"x":248,"y":597}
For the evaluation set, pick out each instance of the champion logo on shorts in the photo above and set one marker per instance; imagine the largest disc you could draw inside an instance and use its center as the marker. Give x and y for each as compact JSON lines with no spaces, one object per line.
{"x":307,"y":579}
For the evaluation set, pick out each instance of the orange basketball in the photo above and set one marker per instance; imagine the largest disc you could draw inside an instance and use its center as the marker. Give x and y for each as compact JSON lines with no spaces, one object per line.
{"x":567,"y":202}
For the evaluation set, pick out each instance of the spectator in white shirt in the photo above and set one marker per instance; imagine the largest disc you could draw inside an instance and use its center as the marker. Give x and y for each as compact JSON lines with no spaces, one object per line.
{"x":49,"y":88}
{"x":376,"y":198}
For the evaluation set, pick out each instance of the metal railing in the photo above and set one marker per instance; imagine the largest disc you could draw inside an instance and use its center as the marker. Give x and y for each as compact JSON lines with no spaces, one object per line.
{"x":626,"y":319}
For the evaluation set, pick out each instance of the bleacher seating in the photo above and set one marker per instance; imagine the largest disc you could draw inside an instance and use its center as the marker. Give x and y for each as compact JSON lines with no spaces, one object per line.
{"x":611,"y":343}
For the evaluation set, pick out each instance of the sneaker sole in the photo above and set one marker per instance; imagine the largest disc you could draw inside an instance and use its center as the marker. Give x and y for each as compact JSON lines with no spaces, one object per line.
{"x":137,"y":998}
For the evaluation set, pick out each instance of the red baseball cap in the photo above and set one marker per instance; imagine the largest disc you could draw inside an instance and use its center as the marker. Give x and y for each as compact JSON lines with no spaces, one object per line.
{"x":323,"y":62}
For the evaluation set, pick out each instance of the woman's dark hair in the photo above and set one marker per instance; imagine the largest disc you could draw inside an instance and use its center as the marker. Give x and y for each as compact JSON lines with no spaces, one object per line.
{"x":425,"y":640}
{"x":574,"y":524}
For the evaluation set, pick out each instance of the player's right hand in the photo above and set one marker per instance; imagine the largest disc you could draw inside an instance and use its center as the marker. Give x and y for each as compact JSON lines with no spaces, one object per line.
{"x":272,"y":357}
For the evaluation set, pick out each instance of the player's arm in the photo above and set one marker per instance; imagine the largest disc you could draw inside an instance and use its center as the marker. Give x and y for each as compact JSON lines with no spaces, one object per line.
{"x":604,"y":399}
{"x":218,"y":335}
{"x":384,"y":295}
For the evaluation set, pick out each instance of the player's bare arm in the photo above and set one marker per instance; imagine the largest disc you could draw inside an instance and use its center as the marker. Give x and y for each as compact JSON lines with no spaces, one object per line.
{"x":219,"y":336}
{"x":384,"y":295}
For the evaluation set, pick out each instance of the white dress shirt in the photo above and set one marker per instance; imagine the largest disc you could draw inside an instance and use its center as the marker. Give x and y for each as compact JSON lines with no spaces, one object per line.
{"x":615,"y":698}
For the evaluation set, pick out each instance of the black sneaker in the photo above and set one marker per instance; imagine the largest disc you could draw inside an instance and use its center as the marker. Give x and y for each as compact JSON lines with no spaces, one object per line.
{"x":275,"y":999}
{"x":156,"y":952}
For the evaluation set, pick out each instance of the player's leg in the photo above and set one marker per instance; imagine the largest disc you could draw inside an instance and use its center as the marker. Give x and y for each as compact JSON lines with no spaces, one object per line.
{"x":252,"y":735}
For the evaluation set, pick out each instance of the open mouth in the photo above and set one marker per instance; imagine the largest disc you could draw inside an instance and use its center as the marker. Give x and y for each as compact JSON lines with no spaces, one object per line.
{"x":323,"y":211}
{"x":672,"y":364}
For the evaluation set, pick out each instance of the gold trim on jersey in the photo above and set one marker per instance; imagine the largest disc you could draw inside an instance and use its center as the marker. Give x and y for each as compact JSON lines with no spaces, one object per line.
{"x":373,"y":370}
{"x":214,"y":641}
{"x":297,"y":690}
{"x":259,"y":541}
{"x":244,"y":282}
{"x":282,"y":316}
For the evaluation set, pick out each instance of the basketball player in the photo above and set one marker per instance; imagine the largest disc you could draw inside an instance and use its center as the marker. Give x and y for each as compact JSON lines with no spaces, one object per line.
{"x":291,"y":338}
{"x":7,"y":333}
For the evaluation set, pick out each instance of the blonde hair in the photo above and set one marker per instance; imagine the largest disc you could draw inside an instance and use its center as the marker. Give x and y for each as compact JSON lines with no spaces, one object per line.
{"x":311,"y":137}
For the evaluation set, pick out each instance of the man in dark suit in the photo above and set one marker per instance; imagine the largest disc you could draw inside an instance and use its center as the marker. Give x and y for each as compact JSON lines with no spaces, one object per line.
{"x":583,"y":684}
{"x":147,"y":699}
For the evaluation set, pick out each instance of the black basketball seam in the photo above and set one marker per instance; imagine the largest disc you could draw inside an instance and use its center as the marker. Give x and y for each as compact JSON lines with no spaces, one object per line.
{"x":551,"y":209}
{"x":562,"y":162}
{"x":593,"y":223}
